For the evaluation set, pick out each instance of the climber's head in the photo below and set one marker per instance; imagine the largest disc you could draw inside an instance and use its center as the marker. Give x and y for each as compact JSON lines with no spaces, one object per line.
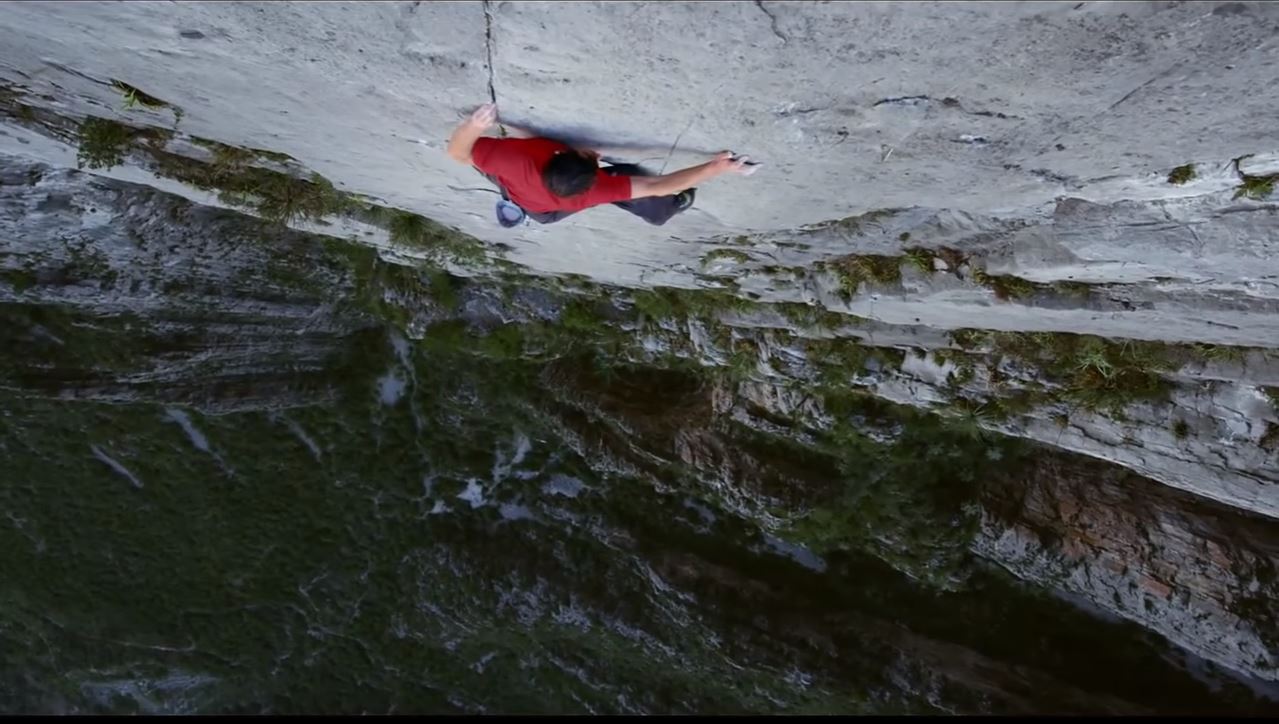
{"x":570,"y":173}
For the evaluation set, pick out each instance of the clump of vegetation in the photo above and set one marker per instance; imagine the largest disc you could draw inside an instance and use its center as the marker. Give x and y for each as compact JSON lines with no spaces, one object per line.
{"x":20,"y":279}
{"x":156,"y":138}
{"x":1096,"y":373}
{"x":1250,"y":186}
{"x":102,"y":143}
{"x":1072,"y":288}
{"x":1180,"y":429}
{"x":583,"y":316}
{"x":853,"y":224}
{"x":909,"y":502}
{"x":1220,"y":352}
{"x":954,"y":258}
{"x":408,"y":229}
{"x":275,"y":196}
{"x":417,"y":232}
{"x":1004,"y":286}
{"x":231,"y":159}
{"x":133,"y":96}
{"x":228,"y":155}
{"x":969,"y":417}
{"x":1182,"y":174}
{"x":1110,"y":376}
{"x":283,"y":199}
{"x":838,"y":358}
{"x":965,"y":367}
{"x":1255,"y":187}
{"x":741,"y":364}
{"x":921,"y":259}
{"x":904,"y":236}
{"x":1270,"y":438}
{"x":1272,"y":393}
{"x":854,"y":269}
{"x":671,"y":302}
{"x":1011,"y":287}
{"x":734,"y":255}
{"x":811,"y":316}
{"x":442,"y":289}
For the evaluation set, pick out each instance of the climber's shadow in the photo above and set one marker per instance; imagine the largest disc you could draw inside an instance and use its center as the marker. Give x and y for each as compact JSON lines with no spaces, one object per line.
{"x":613,"y":148}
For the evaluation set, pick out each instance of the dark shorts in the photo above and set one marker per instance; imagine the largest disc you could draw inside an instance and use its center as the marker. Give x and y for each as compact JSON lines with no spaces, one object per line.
{"x":656,"y":210}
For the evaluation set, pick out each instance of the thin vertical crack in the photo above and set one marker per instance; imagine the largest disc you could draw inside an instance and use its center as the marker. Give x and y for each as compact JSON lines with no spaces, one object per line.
{"x":676,"y":143}
{"x":488,"y":47}
{"x":771,"y":20}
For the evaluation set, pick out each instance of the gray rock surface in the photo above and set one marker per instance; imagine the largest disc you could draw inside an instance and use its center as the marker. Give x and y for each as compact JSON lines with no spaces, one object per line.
{"x":845,"y":103}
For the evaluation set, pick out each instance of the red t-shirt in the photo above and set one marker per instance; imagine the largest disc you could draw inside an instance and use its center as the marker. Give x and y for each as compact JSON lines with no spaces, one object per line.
{"x":517,"y":164}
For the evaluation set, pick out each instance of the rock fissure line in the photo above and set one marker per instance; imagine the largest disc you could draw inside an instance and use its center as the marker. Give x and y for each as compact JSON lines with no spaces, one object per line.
{"x":488,"y":49}
{"x":948,"y":102}
{"x":772,"y":21}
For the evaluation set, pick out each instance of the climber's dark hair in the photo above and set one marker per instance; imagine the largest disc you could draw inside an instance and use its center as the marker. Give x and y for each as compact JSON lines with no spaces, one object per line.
{"x":569,"y":173}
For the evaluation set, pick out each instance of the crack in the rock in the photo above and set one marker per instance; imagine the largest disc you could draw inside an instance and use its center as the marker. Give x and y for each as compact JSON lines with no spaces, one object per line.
{"x":1133,"y":92}
{"x":472,"y":188}
{"x":1053,"y":176}
{"x":948,"y":102}
{"x":772,"y":21}
{"x":993,"y":114}
{"x":73,"y":71}
{"x":488,"y":47}
{"x":676,"y":143}
{"x":801,"y":111}
{"x":899,"y":99}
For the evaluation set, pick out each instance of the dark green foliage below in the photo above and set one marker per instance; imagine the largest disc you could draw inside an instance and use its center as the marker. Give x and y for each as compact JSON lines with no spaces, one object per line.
{"x":352,"y":578}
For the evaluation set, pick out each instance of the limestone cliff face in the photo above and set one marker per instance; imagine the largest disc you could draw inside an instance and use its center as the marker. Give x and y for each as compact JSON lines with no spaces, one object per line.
{"x":976,"y":116}
{"x":156,"y":299}
{"x":176,"y":302}
{"x":967,"y":235}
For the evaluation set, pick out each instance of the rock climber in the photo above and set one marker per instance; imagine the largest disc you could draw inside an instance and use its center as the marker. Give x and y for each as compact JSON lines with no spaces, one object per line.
{"x":547,"y":180}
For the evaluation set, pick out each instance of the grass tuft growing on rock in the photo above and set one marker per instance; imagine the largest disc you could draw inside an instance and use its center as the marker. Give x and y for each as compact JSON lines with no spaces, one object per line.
{"x":954,"y":258}
{"x":921,"y":259}
{"x":805,"y":316}
{"x":133,"y":96}
{"x":283,"y":199}
{"x":1270,"y":438}
{"x":1272,"y":394}
{"x":1096,"y":373}
{"x":1250,"y":186}
{"x":1220,"y":353}
{"x":855,"y":269}
{"x":854,"y":224}
{"x":1255,"y":187}
{"x":733,"y":255}
{"x":671,"y":302}
{"x":1182,"y":174}
{"x":417,"y":232}
{"x":102,"y":143}
{"x":1004,"y":286}
{"x":1180,"y":429}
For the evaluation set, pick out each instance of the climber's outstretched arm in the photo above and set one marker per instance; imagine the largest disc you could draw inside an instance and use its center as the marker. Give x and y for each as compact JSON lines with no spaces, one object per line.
{"x":673,"y":183}
{"x":465,"y":136}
